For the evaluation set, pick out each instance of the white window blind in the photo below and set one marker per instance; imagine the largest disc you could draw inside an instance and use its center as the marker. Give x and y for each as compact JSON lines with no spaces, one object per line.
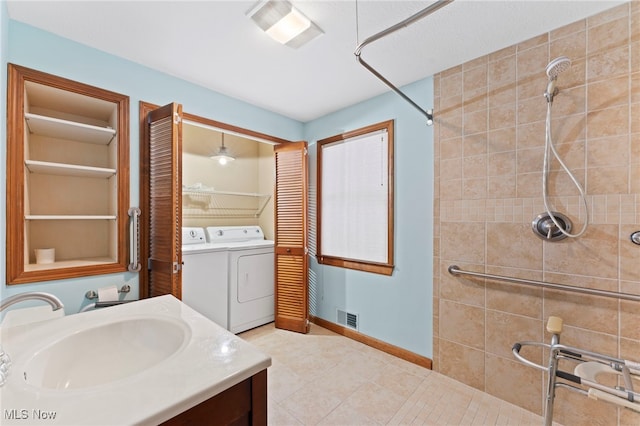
{"x":355,"y":198}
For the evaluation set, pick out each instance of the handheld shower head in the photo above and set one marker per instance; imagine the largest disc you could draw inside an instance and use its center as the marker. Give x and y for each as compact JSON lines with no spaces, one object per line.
{"x":554,"y":68}
{"x":557,"y":66}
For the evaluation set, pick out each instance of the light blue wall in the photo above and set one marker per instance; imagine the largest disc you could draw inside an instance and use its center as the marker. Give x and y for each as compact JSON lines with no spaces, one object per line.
{"x":395,"y":309}
{"x":37,"y":49}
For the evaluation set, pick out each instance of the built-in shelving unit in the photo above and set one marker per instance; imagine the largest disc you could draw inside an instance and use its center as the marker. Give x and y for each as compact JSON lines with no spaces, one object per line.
{"x":68,"y":165}
{"x":220,"y":204}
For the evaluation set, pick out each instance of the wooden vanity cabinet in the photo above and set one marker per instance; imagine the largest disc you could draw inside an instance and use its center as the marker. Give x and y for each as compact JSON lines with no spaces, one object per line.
{"x":67,"y":177}
{"x":242,"y":404}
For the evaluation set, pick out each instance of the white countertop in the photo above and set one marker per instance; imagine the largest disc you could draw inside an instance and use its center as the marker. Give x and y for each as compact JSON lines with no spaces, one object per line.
{"x":211,"y":361}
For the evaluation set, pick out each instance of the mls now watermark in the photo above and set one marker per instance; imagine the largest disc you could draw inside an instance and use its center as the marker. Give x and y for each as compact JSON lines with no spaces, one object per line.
{"x":33,"y":414}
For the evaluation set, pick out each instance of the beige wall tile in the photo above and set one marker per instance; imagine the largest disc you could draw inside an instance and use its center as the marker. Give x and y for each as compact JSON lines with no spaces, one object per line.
{"x":609,"y":151}
{"x":610,"y":93}
{"x":504,"y":329}
{"x":474,"y":122}
{"x":560,"y":183}
{"x":502,"y":53}
{"x":604,"y":180}
{"x":635,"y":25}
{"x":635,"y":88}
{"x":502,"y":140}
{"x":502,"y":96}
{"x":571,"y":408}
{"x":462,"y":289}
{"x":575,"y":27}
{"x":572,"y":154}
{"x":587,"y":339}
{"x":530,"y":160}
{"x":501,"y":187}
{"x":451,"y":169}
{"x":501,"y":117}
{"x":451,"y":189}
{"x":629,"y":315}
{"x":474,"y":81}
{"x":474,"y":144}
{"x":572,"y":45}
{"x":568,"y":128}
{"x":450,"y":84}
{"x":462,"y":363}
{"x":635,"y":127}
{"x":450,"y":102}
{"x":608,"y":15}
{"x":463,"y":242}
{"x":517,"y":299}
{"x":532,"y":135}
{"x":608,"y":64}
{"x":593,"y":254}
{"x":602,"y":312}
{"x":531,"y":110}
{"x":475,"y":166}
{"x":474,"y":188}
{"x":501,"y":72}
{"x":610,"y":35}
{"x":463,"y":324}
{"x":629,"y":349}
{"x":539,"y":41}
{"x":523,"y":387}
{"x":575,"y":76}
{"x":608,"y":122}
{"x":529,"y":185}
{"x":533,"y":86}
{"x":513,"y":245}
{"x":569,"y":101}
{"x":502,"y":163}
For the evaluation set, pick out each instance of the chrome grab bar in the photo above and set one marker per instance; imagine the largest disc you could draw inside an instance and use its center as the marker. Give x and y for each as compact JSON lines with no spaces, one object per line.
{"x":455,"y":270}
{"x":405,"y":23}
{"x":134,"y":263}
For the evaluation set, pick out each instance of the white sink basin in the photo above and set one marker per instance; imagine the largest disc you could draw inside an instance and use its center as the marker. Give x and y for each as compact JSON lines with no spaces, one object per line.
{"x":106,"y":353}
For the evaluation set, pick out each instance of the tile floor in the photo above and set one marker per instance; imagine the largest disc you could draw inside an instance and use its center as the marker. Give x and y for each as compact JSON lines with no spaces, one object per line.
{"x":322,"y":378}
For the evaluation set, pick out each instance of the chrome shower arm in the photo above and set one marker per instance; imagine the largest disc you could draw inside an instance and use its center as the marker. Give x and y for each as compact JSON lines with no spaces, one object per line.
{"x":406,"y":22}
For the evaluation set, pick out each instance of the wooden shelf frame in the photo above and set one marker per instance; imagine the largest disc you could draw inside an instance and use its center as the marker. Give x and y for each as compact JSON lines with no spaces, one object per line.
{"x":21,"y":121}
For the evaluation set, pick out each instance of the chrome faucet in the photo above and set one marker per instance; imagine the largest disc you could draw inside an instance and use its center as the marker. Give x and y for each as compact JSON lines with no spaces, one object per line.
{"x":5,"y":360}
{"x":32,"y":295}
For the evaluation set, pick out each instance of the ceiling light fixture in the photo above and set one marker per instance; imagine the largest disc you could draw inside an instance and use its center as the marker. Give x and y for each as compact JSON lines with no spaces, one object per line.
{"x":284,"y":23}
{"x":222,"y":155}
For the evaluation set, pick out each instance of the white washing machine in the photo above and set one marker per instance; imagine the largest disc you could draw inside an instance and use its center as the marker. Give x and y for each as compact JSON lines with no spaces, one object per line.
{"x":251,"y":275}
{"x":205,"y":276}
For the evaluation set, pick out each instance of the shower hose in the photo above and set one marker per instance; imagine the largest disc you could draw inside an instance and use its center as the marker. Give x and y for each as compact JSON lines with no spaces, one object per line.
{"x":548,"y":150}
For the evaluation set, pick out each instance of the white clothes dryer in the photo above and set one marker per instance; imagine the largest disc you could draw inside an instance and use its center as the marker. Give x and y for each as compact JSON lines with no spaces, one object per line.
{"x":205,"y":276}
{"x":251,"y":275}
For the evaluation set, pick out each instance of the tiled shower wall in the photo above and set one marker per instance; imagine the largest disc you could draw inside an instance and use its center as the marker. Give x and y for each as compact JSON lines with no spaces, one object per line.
{"x":489,"y":135}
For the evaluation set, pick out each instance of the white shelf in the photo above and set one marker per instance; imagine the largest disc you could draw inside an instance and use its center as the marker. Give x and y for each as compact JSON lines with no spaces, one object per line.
{"x":47,"y":168}
{"x":68,"y":217}
{"x":64,"y":129}
{"x":215,"y":204}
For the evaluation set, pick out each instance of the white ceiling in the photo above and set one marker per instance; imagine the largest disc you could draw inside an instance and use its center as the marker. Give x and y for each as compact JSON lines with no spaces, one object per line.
{"x":213,"y":43}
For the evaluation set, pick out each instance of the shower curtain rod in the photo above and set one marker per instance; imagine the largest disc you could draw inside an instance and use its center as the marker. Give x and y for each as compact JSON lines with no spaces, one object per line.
{"x":405,"y":23}
{"x":455,"y":270}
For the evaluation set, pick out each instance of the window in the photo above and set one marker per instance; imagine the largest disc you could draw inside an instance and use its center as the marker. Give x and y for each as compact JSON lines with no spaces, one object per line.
{"x":355,"y":199}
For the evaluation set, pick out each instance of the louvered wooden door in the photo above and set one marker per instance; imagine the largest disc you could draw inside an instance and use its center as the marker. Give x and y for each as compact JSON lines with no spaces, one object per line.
{"x":291,"y":263}
{"x":162,"y":169}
